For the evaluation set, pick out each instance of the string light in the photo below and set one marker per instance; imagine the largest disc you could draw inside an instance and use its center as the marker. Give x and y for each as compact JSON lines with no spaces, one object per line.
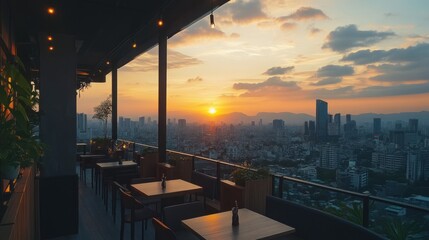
{"x":107,"y":63}
{"x":50,"y":38}
{"x":51,"y":48}
{"x":134,"y":45}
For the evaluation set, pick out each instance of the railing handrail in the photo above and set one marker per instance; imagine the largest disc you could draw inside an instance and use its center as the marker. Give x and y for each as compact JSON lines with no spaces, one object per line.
{"x":363,"y":196}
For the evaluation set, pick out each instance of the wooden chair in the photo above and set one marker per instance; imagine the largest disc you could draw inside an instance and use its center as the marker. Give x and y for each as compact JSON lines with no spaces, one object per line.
{"x":162,"y":232}
{"x":133,"y":211}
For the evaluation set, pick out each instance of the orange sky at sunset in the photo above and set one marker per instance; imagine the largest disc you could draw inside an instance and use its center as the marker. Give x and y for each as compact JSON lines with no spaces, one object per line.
{"x":279,"y":56}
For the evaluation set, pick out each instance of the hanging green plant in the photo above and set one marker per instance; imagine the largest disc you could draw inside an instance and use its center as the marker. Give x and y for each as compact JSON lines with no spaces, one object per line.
{"x":18,"y":144}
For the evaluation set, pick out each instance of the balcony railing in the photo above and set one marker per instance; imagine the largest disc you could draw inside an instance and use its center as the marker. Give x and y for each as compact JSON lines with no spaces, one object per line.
{"x":362,"y":208}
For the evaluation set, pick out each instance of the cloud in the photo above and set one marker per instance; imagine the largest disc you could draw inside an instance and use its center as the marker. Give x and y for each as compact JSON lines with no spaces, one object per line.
{"x":278,"y":70}
{"x":315,"y":30}
{"x":334,"y":71}
{"x":306,"y":13}
{"x":149,"y":61}
{"x":194,"y":80}
{"x":395,"y":65}
{"x":417,"y":53}
{"x":197,"y":33}
{"x":348,"y":37}
{"x":327,"y":81}
{"x":270,"y":82}
{"x":244,"y":12}
{"x":288,"y":26}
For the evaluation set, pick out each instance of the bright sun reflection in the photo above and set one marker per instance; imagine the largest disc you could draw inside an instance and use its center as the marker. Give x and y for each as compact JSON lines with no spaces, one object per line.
{"x":212,"y":110}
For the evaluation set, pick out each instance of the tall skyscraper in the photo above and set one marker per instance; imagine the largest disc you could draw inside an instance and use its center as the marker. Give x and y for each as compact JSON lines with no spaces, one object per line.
{"x":348,"y":118}
{"x":413,"y":125}
{"x":306,"y":130}
{"x":278,"y":124}
{"x":377,"y":126}
{"x":141,"y":121}
{"x":312,"y":129}
{"x":321,"y":120}
{"x":337,"y":120}
{"x":182,"y":123}
{"x":330,"y":118}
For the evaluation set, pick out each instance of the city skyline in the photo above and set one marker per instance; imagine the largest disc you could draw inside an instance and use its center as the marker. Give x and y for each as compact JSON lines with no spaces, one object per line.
{"x":278,"y":56}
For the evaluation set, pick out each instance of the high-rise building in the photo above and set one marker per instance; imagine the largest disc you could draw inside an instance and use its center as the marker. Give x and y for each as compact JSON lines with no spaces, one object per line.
{"x":398,"y":138}
{"x":413,"y":125}
{"x":330,"y":118}
{"x":348,"y":118}
{"x":329,"y":156}
{"x":278,"y":124}
{"x":337,"y":120}
{"x":321,"y":120}
{"x":127,"y":124}
{"x":182,"y":123}
{"x":81,"y":122}
{"x":141,"y":122}
{"x":377,"y":126}
{"x":414,"y":167}
{"x":260,"y":122}
{"x":393,"y":162}
{"x":312,"y":129}
{"x":121,"y":123}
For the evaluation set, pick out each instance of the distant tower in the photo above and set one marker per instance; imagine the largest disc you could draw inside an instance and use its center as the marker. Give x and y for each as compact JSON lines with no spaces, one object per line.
{"x":321,"y":120}
{"x":377,"y":126}
{"x":337,"y":120}
{"x":348,"y":118}
{"x":330,"y":118}
{"x":182,"y":123}
{"x":312,"y":129}
{"x":278,"y":124}
{"x":81,"y":122}
{"x":413,"y":125}
{"x":253,"y":123}
{"x":260,"y":122}
{"x":141,"y":121}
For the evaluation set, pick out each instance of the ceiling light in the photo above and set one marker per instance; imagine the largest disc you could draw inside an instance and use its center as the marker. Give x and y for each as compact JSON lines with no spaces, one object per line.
{"x":160,"y":22}
{"x":51,"y":10}
{"x":212,"y":23}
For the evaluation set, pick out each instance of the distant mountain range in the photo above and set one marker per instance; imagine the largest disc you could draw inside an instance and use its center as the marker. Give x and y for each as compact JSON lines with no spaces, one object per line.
{"x":300,"y":118}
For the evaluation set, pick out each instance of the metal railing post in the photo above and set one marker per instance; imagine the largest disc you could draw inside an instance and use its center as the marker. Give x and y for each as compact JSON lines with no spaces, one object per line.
{"x":365,"y":209}
{"x":193,"y":163}
{"x":218,"y":178}
{"x":280,"y":193}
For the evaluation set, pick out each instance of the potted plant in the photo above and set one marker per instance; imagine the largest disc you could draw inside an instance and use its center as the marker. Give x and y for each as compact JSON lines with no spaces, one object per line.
{"x":19,"y":146}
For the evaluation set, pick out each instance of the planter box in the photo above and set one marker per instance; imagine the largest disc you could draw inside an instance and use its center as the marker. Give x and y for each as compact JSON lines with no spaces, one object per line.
{"x":148,"y":164}
{"x":251,"y":196}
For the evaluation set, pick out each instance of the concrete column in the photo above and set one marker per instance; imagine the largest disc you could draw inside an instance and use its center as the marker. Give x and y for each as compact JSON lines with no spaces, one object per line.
{"x":58,"y":105}
{"x":58,"y":186}
{"x":162,"y":97}
{"x":114,"y":102}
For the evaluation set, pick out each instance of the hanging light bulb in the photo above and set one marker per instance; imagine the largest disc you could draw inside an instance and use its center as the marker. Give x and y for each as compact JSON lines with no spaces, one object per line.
{"x":212,"y":23}
{"x":134,"y":44}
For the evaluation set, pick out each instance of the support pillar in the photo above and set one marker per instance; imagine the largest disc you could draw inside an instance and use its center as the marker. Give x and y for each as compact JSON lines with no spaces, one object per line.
{"x":58,"y":186}
{"x":114,"y":103}
{"x":162,"y":97}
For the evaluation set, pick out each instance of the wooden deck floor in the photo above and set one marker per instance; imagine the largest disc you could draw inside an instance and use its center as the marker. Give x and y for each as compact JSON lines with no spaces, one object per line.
{"x":95,"y":223}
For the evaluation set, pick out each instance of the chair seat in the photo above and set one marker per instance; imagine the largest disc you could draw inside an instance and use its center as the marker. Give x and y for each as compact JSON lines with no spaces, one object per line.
{"x":140,"y":215}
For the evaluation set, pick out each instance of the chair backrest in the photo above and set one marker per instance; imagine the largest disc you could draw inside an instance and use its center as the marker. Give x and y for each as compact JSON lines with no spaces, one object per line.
{"x":127,"y":200}
{"x":119,"y":186}
{"x":173,"y":215}
{"x":162,"y":232}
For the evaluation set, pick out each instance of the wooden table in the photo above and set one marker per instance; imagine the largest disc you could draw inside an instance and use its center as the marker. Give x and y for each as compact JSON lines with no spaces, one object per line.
{"x":252,"y":226}
{"x":111,"y":166}
{"x":173,"y":188}
{"x":88,"y":161}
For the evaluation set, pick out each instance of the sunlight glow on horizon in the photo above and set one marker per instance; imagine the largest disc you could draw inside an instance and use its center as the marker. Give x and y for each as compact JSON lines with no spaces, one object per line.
{"x":273,"y":58}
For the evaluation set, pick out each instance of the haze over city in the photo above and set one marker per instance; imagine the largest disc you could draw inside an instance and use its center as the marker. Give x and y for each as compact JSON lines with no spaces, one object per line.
{"x":279,"y":56}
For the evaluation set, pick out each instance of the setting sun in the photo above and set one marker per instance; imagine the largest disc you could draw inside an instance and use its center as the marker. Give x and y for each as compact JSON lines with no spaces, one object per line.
{"x":212,"y":110}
